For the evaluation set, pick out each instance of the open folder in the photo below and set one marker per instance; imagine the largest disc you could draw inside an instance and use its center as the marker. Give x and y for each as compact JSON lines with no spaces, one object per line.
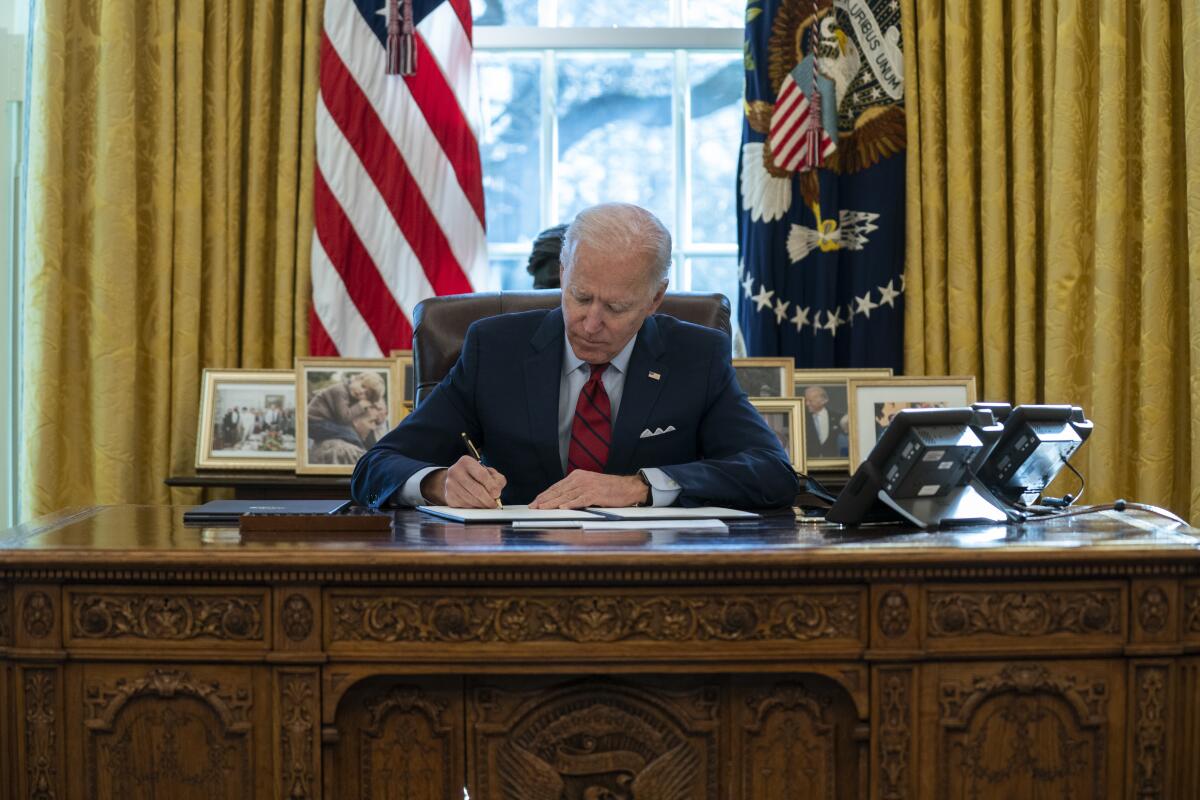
{"x":523,"y":513}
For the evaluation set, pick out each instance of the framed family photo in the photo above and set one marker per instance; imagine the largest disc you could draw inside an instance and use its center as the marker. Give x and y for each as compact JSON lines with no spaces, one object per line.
{"x":785,"y":417}
{"x":873,"y":403}
{"x":765,"y":377}
{"x":827,"y":428}
{"x":247,"y":420}
{"x":346,"y":405}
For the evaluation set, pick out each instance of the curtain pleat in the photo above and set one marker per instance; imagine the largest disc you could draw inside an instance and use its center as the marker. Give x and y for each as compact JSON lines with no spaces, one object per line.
{"x":1054,"y":221}
{"x":169,"y":229}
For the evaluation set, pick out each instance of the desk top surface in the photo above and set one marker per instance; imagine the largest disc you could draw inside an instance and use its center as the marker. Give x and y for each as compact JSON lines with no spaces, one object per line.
{"x":146,"y":536}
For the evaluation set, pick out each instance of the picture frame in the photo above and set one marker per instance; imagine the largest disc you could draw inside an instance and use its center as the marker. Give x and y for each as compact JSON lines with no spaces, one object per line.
{"x":785,"y":416}
{"x":832,"y":452}
{"x":344,"y":405}
{"x":767,"y":377}
{"x":247,"y":420}
{"x":408,"y":376}
{"x":872,"y":400}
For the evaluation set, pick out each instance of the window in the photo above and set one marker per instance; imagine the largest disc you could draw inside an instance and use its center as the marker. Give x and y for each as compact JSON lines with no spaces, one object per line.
{"x":14,"y":16}
{"x":584,"y":102}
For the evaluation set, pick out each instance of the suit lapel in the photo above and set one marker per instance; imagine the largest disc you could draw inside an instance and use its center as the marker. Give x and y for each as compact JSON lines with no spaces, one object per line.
{"x":638,"y":398}
{"x":543,"y":368}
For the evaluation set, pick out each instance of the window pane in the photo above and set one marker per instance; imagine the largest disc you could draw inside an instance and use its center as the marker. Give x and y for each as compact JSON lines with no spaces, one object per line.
{"x":511,"y":272}
{"x":715,"y":274}
{"x":614,"y":132}
{"x":505,"y":12}
{"x":615,"y":13}
{"x":715,"y":82}
{"x":713,"y":13}
{"x":510,"y":90}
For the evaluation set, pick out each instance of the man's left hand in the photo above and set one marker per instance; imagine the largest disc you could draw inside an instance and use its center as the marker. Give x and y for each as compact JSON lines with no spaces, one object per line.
{"x":582,"y":488}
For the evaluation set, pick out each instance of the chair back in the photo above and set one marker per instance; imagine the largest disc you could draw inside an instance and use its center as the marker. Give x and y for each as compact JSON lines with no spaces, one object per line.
{"x":440,"y":323}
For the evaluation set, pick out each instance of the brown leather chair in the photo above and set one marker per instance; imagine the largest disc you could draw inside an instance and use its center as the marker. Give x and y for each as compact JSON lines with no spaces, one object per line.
{"x":440,"y":323}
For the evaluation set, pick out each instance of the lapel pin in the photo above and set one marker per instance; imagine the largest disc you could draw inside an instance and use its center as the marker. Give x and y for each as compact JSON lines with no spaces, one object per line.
{"x":654,"y":376}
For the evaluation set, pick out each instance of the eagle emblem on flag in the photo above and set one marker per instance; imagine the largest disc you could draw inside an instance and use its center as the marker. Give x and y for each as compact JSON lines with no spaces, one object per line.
{"x":821,"y":176}
{"x":826,"y":91}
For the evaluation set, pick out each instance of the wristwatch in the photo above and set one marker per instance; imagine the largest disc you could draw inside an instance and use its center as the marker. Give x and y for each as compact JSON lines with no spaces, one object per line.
{"x":649,"y":490}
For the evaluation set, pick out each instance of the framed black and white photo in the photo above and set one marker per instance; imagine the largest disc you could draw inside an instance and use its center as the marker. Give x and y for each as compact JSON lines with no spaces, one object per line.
{"x":247,"y":420}
{"x":873,"y":403}
{"x":784,"y":416}
{"x":765,"y":377}
{"x":827,"y":424}
{"x":348,"y":405}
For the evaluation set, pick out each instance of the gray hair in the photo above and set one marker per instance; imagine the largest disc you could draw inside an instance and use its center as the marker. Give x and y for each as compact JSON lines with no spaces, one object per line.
{"x":620,"y":227}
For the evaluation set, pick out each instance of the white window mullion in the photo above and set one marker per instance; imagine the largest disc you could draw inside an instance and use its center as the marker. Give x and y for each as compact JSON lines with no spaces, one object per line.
{"x":549,"y":154}
{"x":680,"y":106}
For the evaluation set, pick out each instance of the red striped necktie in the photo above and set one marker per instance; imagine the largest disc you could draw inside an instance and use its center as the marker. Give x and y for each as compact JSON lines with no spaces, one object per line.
{"x":591,"y":430}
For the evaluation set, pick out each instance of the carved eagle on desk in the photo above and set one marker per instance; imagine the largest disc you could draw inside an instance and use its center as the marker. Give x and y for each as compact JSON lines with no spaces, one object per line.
{"x":525,"y":776}
{"x":869,"y":119}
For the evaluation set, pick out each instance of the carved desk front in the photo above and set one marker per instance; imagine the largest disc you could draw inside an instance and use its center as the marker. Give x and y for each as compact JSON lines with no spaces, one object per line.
{"x":140,"y":658}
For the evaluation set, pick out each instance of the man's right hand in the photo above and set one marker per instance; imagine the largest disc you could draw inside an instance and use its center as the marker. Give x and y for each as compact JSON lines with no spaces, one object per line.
{"x":466,"y":484}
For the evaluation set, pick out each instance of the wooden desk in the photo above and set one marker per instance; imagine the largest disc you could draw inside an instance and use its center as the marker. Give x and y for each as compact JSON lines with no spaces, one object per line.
{"x":141,"y":658}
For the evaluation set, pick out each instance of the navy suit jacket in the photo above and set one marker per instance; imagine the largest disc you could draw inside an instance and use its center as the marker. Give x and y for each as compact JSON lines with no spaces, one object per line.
{"x":503,"y":392}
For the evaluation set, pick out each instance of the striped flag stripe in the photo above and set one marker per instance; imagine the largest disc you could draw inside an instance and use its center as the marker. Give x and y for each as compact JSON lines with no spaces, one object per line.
{"x":398,"y":197}
{"x":348,"y":332}
{"x":443,"y":34}
{"x":788,"y":147}
{"x":319,"y":340}
{"x":363,"y":283}
{"x":357,"y":195}
{"x":449,"y":195}
{"x":427,"y":245}
{"x":439,"y":104}
{"x":396,"y":108}
{"x":462,"y":10}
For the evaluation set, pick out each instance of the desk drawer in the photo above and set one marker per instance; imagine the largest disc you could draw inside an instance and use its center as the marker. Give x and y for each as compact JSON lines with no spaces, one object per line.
{"x":150,"y":619}
{"x":1009,"y":618}
{"x":642,"y":623}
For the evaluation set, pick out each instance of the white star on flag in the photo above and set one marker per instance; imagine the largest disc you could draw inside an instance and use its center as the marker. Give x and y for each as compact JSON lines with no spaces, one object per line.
{"x":748,"y":285}
{"x":835,"y":319}
{"x":763,"y":298}
{"x":800,"y":318}
{"x":888,"y":295}
{"x":781,"y":307}
{"x":865,"y":305}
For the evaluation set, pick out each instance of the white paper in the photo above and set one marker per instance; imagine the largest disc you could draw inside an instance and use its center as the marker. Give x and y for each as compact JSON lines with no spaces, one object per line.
{"x":510,"y":513}
{"x":674,"y":512}
{"x":627,"y":524}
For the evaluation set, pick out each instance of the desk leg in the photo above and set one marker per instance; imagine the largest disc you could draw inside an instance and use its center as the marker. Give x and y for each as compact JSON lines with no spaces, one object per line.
{"x":39,"y":740}
{"x":298,"y":713}
{"x":893,"y":703}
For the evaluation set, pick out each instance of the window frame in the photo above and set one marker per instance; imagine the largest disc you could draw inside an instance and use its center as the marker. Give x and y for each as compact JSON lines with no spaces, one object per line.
{"x":681,"y":42}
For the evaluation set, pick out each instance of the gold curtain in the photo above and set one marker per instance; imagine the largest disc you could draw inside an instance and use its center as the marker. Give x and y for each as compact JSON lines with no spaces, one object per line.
{"x":1053,"y":242}
{"x":170,"y":197}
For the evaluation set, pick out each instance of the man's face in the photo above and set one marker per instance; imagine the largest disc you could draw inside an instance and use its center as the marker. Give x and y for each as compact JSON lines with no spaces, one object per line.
{"x":815,"y":399}
{"x":605,"y":298}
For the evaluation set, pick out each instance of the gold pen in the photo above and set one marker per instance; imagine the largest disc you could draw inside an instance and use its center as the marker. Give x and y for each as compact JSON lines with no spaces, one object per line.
{"x":475,"y":455}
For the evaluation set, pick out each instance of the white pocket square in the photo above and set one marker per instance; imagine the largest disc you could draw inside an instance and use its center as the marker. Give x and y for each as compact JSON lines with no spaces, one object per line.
{"x":647,"y":433}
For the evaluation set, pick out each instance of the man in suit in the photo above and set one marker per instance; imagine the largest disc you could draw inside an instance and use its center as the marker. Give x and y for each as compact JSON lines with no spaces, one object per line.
{"x":600,"y":402}
{"x":822,"y":424}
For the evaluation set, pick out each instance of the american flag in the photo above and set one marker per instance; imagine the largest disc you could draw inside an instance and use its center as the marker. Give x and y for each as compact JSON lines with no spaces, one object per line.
{"x":398,"y":191}
{"x":798,"y":141}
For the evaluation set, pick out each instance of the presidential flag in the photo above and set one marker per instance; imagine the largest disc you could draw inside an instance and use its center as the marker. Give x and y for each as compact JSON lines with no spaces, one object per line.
{"x":821,"y":183}
{"x":398,"y":191}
